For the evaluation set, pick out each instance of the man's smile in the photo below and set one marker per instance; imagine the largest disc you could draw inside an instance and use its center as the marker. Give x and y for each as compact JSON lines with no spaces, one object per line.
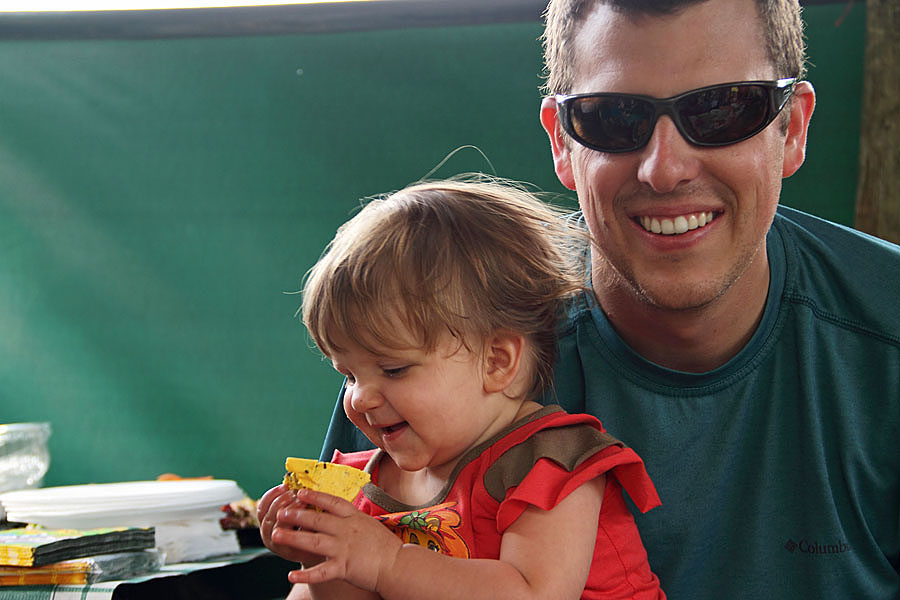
{"x":675,"y":225}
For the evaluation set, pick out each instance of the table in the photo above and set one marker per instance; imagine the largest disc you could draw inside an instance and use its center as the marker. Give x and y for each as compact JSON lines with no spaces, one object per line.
{"x":254,"y":574}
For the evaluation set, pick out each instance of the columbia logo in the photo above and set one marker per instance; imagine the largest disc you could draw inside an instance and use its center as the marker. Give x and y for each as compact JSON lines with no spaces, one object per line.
{"x":814,"y":547}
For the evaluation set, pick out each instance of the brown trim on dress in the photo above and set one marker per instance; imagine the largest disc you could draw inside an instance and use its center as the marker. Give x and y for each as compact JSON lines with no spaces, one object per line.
{"x":569,"y":446}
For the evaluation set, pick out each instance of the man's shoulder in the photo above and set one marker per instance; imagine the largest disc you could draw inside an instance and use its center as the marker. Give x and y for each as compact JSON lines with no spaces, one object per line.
{"x":812,"y":233}
{"x":840,"y":272}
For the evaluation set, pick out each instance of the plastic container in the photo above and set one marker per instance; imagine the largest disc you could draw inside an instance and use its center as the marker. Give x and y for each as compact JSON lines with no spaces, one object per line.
{"x":24,"y":456}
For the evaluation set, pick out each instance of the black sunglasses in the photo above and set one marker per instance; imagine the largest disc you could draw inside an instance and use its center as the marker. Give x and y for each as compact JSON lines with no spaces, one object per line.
{"x":717,"y":115}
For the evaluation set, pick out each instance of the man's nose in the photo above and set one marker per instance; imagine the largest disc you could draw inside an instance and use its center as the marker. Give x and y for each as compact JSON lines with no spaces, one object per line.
{"x":668,"y":159}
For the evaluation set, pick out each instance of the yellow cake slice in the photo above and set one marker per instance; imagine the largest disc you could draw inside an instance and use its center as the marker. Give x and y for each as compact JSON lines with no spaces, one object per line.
{"x":338,"y":480}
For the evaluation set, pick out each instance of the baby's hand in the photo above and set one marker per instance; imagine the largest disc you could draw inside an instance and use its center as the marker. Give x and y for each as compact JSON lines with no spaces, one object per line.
{"x":270,"y":505}
{"x":356,"y":547}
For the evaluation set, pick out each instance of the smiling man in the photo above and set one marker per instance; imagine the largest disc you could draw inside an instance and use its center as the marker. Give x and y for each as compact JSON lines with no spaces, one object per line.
{"x":684,"y":296}
{"x":748,"y":352}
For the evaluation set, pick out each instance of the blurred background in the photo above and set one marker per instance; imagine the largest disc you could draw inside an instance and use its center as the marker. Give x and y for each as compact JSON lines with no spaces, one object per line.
{"x":168,"y":176}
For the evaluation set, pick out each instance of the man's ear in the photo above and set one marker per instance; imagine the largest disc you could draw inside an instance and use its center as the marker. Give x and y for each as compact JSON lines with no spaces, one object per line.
{"x":803,"y":102}
{"x":562,"y":163}
{"x":503,"y":352}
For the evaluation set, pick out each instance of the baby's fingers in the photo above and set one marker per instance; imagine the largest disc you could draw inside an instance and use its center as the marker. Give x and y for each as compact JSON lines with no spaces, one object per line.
{"x":300,"y":517}
{"x":265,"y":503}
{"x":269,"y":513}
{"x":322,"y":572}
{"x":327,"y":502}
{"x":301,"y":540}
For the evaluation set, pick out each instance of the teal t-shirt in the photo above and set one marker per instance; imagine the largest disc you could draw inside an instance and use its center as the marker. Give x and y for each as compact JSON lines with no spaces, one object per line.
{"x":779,"y":472}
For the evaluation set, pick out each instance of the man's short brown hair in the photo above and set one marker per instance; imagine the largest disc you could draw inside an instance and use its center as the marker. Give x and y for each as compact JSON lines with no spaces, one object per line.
{"x":781,"y":20}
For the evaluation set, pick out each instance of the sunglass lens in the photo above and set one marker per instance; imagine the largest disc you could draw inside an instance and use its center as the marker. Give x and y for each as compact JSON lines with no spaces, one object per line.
{"x":612,"y":124}
{"x":724,"y":115}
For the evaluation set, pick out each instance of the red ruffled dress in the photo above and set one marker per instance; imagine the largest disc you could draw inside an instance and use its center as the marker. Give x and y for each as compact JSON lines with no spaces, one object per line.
{"x":537,"y":461}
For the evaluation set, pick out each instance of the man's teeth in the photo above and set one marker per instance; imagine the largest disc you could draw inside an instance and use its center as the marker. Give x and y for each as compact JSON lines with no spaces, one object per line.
{"x":680,"y":224}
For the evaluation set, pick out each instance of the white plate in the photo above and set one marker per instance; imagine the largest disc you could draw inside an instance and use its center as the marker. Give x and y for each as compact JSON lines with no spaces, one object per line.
{"x":148,"y":492}
{"x":127,"y":504}
{"x":118,"y":519}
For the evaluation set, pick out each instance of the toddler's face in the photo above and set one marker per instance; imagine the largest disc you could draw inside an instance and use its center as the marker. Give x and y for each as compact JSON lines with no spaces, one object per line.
{"x":424,"y":408}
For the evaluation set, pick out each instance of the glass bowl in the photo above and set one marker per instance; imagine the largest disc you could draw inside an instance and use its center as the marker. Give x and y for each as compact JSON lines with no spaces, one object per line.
{"x":24,"y":456}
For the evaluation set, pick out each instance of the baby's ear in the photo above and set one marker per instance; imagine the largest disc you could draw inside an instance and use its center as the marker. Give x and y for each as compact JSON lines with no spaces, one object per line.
{"x":503,"y":352}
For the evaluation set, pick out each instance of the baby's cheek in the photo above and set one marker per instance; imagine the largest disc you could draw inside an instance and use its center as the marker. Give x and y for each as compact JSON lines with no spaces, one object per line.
{"x":358,"y":419}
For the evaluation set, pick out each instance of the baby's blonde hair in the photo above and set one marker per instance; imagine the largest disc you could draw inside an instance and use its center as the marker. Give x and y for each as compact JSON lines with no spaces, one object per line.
{"x":469,"y":256}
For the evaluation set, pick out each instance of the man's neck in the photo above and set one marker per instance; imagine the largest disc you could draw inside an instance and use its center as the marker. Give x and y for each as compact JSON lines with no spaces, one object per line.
{"x":694,"y":340}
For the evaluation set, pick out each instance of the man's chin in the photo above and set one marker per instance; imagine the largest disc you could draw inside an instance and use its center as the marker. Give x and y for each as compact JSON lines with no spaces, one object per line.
{"x":675,"y":289}
{"x":681,"y":297}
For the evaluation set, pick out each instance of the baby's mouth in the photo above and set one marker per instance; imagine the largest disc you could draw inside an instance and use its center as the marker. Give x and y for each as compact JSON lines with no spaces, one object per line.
{"x":675,"y":225}
{"x":393,"y":428}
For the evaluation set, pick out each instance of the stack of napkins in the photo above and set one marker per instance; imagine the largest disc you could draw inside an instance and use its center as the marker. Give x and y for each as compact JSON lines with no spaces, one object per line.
{"x":91,"y":569}
{"x":34,"y":555}
{"x":35,"y":546}
{"x":185,"y":513}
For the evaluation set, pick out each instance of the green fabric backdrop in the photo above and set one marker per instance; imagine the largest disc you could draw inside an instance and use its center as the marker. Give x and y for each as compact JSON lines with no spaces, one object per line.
{"x":160,"y":199}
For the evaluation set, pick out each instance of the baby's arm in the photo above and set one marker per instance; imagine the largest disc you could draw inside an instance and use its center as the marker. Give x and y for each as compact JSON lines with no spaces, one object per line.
{"x":544,"y":554}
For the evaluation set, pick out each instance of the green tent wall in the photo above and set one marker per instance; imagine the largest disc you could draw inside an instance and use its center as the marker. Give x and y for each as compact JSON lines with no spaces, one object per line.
{"x":161,"y":197}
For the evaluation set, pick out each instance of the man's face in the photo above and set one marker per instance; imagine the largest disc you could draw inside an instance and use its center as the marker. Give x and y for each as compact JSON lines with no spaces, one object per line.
{"x":670,"y":181}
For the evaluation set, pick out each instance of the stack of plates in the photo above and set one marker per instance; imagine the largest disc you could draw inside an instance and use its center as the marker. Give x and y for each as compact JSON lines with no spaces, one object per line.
{"x":128,"y":504}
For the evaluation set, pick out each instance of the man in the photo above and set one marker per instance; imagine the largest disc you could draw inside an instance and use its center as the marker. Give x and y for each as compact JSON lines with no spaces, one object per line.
{"x":748,"y":352}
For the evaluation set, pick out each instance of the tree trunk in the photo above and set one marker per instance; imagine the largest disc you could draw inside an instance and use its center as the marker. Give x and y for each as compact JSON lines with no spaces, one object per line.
{"x":878,"y":188}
